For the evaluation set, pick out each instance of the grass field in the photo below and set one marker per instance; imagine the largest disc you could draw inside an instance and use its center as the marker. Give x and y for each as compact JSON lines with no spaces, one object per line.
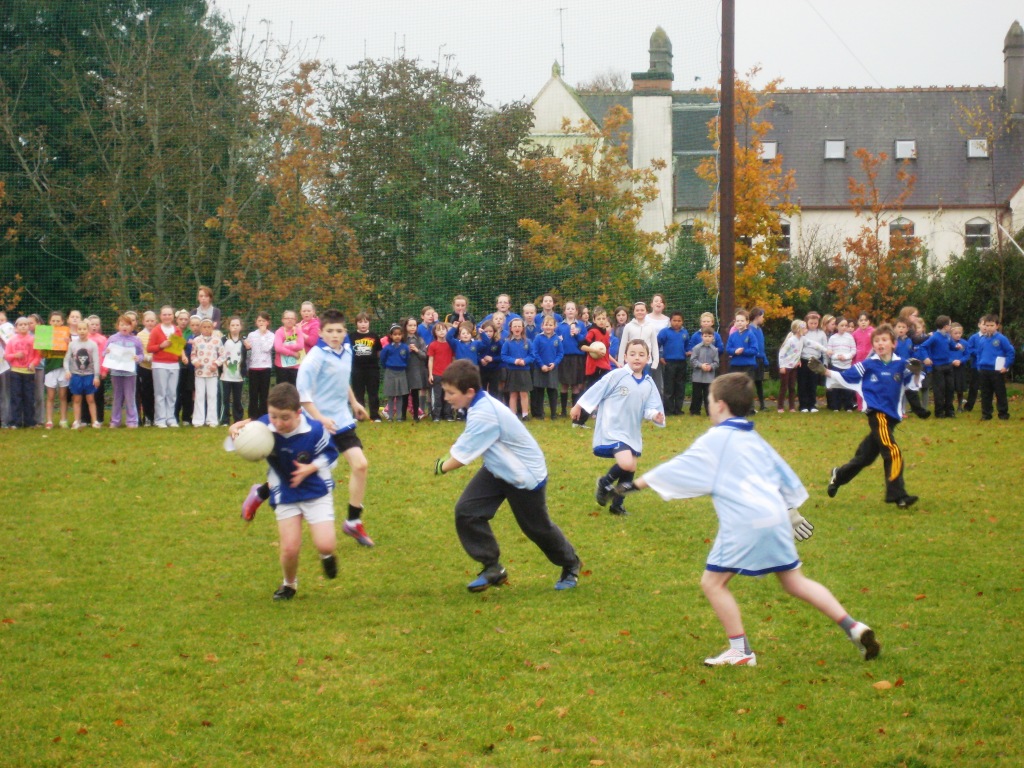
{"x":138,"y":630}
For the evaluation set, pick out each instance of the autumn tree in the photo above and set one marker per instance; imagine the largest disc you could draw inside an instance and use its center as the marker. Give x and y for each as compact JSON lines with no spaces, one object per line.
{"x":762,"y":191}
{"x":590,"y":243}
{"x":609,"y":81}
{"x":876,"y":273}
{"x":304,"y":248}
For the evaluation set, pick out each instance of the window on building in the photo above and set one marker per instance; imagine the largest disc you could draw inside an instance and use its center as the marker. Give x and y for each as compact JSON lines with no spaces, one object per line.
{"x":835,"y":149}
{"x":977,"y":148}
{"x":782,"y":244}
{"x":978,"y":234}
{"x":769,"y":150}
{"x":906,"y":149}
{"x":901,"y":228}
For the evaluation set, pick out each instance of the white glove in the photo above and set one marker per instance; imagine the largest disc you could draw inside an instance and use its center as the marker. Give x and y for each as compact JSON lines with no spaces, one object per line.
{"x":802,"y":528}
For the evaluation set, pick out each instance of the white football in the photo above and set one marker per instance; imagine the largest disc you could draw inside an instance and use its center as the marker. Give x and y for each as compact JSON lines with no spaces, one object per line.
{"x":598,"y":349}
{"x":255,"y":442}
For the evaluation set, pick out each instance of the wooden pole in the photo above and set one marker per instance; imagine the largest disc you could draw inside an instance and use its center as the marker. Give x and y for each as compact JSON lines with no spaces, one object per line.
{"x":727,"y":175}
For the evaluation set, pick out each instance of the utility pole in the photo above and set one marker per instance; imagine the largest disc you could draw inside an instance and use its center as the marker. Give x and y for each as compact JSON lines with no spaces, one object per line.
{"x":561,"y":38}
{"x":727,"y":173}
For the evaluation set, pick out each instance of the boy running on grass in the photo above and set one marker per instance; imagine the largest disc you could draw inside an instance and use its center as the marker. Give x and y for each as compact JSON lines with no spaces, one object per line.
{"x":880,"y":380}
{"x":752,"y":488}
{"x":324,"y":384}
{"x":626,"y":397}
{"x":300,"y":482}
{"x":513,"y":469}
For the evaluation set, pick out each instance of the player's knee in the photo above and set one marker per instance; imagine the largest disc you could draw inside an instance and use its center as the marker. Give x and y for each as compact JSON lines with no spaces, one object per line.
{"x":359,"y":465}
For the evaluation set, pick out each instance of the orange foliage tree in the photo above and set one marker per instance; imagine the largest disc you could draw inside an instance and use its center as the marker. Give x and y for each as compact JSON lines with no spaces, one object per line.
{"x":304,"y":249}
{"x":876,"y":274}
{"x":592,"y":244}
{"x":762,"y":190}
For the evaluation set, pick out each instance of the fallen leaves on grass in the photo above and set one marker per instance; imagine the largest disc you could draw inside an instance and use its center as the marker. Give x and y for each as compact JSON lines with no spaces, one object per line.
{"x":882,"y":685}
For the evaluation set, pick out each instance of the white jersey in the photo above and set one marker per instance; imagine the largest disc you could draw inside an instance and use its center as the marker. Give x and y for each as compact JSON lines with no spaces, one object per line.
{"x":752,"y":489}
{"x":625,"y":402}
{"x":324,"y":378}
{"x":509,"y":450}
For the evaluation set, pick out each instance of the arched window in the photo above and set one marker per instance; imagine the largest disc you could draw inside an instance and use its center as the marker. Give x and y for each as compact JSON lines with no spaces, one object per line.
{"x":978,"y":234}
{"x":901,"y":228}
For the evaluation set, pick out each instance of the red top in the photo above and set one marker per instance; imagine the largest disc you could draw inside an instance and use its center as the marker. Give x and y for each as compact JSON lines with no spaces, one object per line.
{"x":158,"y":337}
{"x":596,"y":334}
{"x":442,"y":353}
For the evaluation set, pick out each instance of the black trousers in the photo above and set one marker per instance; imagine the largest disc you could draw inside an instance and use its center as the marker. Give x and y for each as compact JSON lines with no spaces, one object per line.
{"x":942,"y":390}
{"x":259,"y":388}
{"x":993,"y":383}
{"x":480,"y":501}
{"x":699,"y":397}
{"x":230,"y":401}
{"x":806,"y":386}
{"x":881,"y":440}
{"x":440,"y":409}
{"x":186,"y":399}
{"x":973,"y":384}
{"x":285,"y":375}
{"x":675,"y":386}
{"x":144,"y":392}
{"x":366,"y":385}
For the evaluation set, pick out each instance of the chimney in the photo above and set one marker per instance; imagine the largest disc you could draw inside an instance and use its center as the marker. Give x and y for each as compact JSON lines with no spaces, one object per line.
{"x":659,"y":76}
{"x":1013,"y":69}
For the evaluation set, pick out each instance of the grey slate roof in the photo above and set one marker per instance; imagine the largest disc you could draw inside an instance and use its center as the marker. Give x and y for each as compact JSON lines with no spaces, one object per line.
{"x":869,"y":118}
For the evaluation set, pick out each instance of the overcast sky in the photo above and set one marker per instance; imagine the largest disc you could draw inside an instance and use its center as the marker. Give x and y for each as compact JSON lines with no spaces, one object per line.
{"x":511,"y":45}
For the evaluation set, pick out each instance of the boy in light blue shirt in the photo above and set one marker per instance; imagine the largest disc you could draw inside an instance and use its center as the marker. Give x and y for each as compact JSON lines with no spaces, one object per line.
{"x":513,"y":469}
{"x":756,"y":496}
{"x":626,"y":397}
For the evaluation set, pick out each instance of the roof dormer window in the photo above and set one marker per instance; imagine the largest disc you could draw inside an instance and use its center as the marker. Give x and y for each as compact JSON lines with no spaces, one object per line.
{"x":906,"y":149}
{"x":835,"y":149}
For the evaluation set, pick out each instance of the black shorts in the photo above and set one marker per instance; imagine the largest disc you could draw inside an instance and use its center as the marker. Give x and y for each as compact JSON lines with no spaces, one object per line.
{"x":344,"y":441}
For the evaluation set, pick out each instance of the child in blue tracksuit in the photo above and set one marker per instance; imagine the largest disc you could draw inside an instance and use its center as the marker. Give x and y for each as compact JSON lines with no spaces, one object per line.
{"x":547,"y":354}
{"x":938,"y":351}
{"x":973,"y":378}
{"x":674,"y":343}
{"x":395,"y":359}
{"x":517,"y":357}
{"x":995,"y":355}
{"x":742,"y":346}
{"x":762,"y":366}
{"x":301,"y":485}
{"x":464,"y":346}
{"x":880,"y":379}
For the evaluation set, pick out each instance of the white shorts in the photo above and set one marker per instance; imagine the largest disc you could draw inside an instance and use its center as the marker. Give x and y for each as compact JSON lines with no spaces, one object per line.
{"x":56,"y":379}
{"x":319,"y":510}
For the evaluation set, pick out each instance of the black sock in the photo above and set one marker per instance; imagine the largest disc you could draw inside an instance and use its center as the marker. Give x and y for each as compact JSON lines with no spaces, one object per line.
{"x":626,"y":477}
{"x":263,"y":491}
{"x":565,"y":401}
{"x":354,"y":513}
{"x":553,"y":401}
{"x":613,"y":475}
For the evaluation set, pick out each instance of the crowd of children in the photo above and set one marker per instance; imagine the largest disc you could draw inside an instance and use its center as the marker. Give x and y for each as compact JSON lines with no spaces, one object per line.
{"x":168,"y":368}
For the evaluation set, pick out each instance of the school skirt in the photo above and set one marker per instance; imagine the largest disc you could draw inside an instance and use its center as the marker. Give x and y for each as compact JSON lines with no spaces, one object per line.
{"x":395,"y":383}
{"x":571,"y":370}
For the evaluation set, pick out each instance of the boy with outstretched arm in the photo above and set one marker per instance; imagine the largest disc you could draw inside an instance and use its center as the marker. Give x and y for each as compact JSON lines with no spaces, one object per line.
{"x":300,"y":483}
{"x":626,"y":397}
{"x":880,"y":380}
{"x":513,"y":469}
{"x":756,"y":496}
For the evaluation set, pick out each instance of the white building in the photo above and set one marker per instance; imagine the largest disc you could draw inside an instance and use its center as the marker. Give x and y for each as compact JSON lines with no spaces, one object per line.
{"x":966,"y":183}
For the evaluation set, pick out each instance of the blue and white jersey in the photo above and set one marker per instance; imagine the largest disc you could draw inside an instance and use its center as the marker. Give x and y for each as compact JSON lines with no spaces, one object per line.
{"x":880,"y":384}
{"x":324,"y":379}
{"x":625,"y":402}
{"x":509,"y":450}
{"x":309,"y":443}
{"x":752,"y":489}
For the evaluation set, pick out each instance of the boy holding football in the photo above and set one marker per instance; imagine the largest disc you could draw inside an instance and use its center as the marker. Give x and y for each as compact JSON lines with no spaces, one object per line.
{"x":752,"y":488}
{"x":300,"y":483}
{"x":513,"y":469}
